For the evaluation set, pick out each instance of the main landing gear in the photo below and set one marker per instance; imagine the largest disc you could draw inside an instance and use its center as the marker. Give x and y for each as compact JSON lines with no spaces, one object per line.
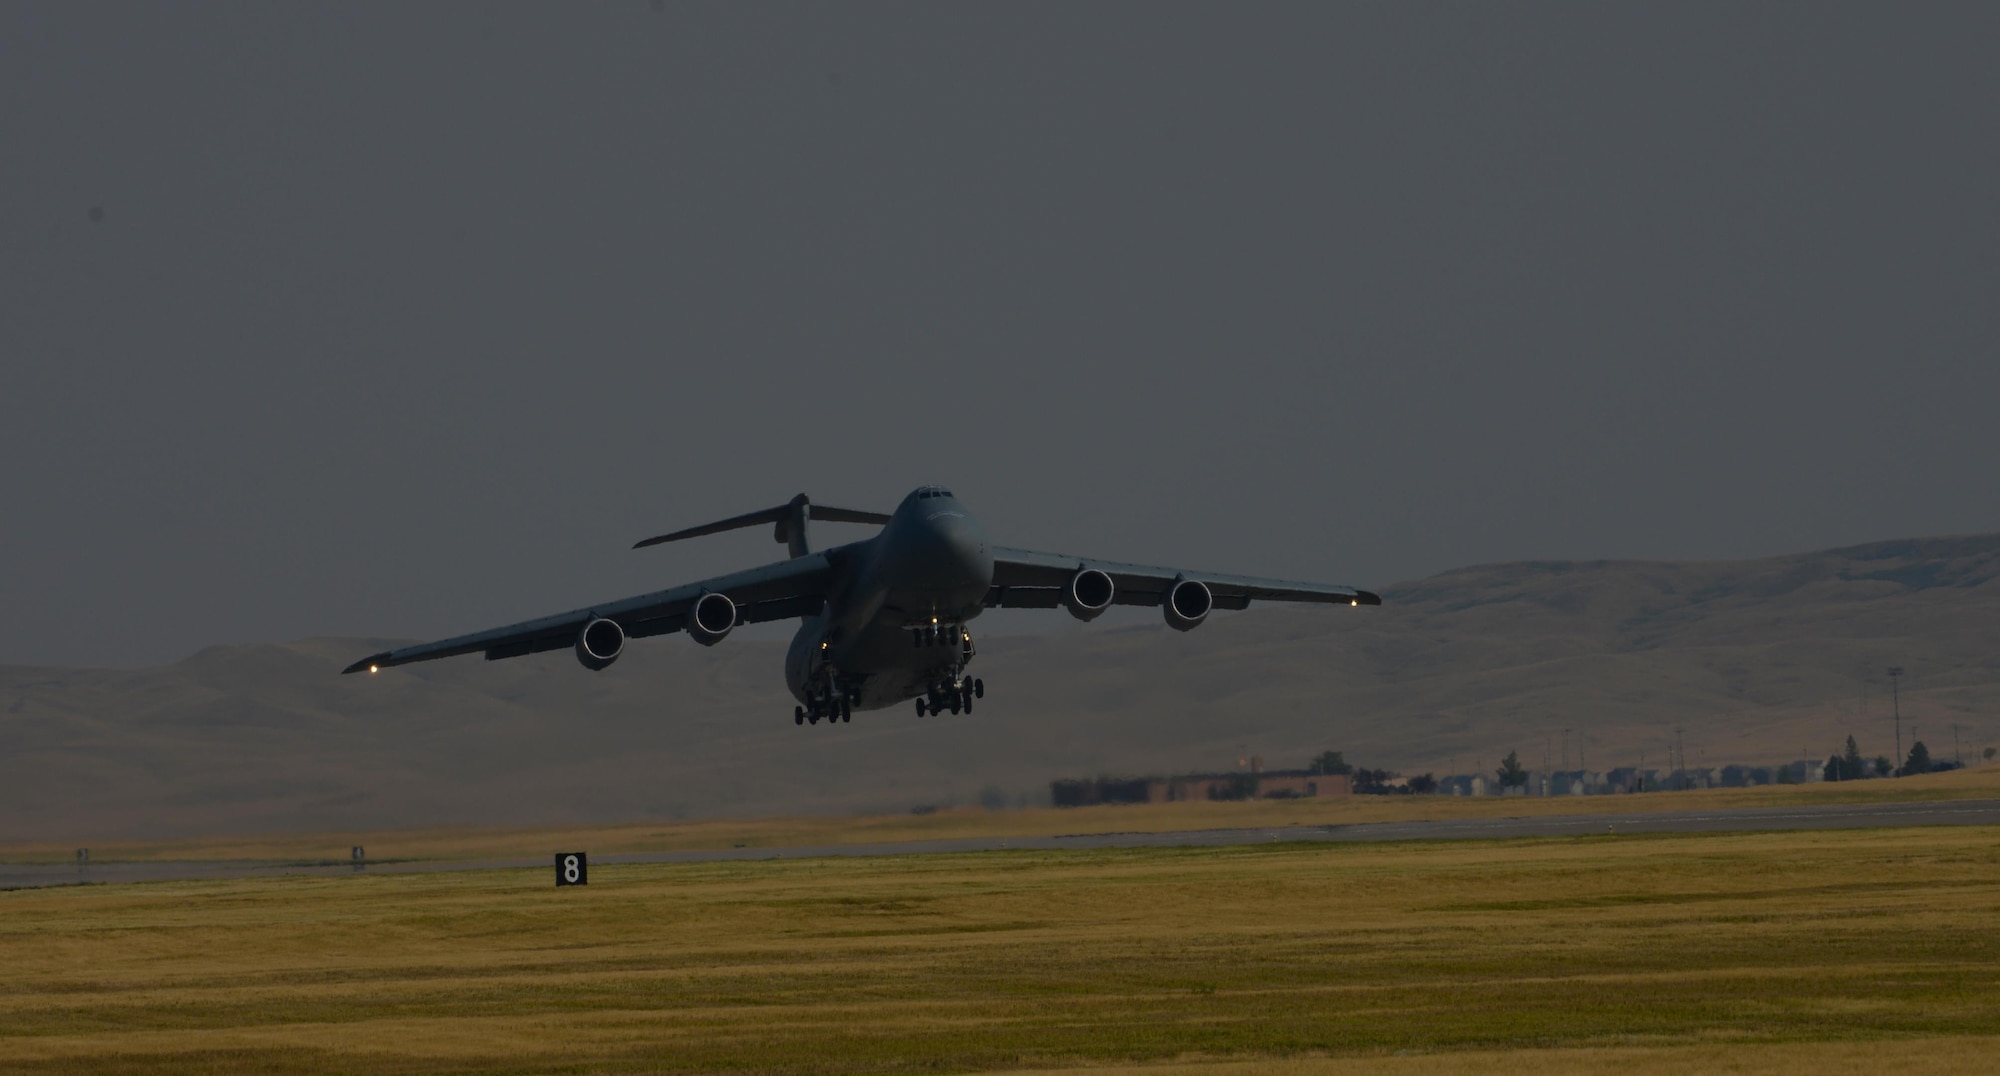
{"x":832,"y":709}
{"x":953,"y":695}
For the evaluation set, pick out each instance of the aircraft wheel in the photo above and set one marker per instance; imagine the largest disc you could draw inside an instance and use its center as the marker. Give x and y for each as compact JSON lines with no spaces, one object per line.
{"x":846,"y":712}
{"x":920,"y":707}
{"x":967,"y":699}
{"x":979,"y":689}
{"x":798,"y":715}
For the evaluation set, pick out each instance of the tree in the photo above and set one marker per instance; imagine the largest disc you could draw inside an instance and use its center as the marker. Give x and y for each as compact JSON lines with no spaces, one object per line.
{"x":1883,"y":767}
{"x":1846,"y":766}
{"x":1511,"y":773}
{"x":1369,"y":782}
{"x":1423,"y":785}
{"x":1919,"y":760}
{"x":1330,"y":762}
{"x":1990,"y":752}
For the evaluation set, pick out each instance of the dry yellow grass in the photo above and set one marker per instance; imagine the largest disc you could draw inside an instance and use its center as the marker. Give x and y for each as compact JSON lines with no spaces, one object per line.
{"x":1822,"y":950}
{"x":1971,"y":1054}
{"x":820,"y":831}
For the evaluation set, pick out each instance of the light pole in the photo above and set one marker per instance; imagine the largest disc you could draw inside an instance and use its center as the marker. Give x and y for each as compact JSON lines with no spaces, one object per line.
{"x":1896,"y":702}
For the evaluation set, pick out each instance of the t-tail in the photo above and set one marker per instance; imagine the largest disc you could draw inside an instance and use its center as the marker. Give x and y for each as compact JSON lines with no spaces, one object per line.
{"x":790,"y":521}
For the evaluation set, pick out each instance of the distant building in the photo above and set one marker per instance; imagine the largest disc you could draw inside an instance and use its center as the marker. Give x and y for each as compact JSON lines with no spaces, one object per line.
{"x":1746,"y":776}
{"x":1465,"y":784}
{"x":1802,"y":772}
{"x":1271,"y":785}
{"x":1089,"y":792}
{"x":1686,"y":779}
{"x":1577,"y":783}
{"x":1257,"y":784}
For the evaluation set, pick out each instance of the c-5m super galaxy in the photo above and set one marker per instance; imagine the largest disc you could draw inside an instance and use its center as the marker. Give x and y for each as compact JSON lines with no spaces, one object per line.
{"x":883,"y":619}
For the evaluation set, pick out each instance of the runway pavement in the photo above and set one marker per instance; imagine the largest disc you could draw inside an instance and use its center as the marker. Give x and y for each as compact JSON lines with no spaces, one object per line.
{"x":1749,"y":819}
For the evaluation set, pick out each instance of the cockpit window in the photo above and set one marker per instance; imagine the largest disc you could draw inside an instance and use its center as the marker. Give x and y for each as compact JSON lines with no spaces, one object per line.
{"x":933,"y":491}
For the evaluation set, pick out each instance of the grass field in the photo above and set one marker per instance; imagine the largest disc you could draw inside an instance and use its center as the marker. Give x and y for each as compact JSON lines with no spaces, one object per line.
{"x":489,"y":844}
{"x":1816,"y":951}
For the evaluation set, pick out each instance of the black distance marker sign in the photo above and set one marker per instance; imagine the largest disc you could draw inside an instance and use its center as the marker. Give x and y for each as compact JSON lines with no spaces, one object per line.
{"x":572,"y":868}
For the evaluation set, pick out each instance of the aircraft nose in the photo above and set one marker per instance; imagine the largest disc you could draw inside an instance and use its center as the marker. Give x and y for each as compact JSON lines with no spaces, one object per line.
{"x":959,"y":551}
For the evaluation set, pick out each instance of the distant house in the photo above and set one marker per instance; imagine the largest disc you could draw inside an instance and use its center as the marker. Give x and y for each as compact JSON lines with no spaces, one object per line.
{"x":1746,"y":776}
{"x":1802,"y":772}
{"x":1577,"y":783}
{"x":1690,"y":778}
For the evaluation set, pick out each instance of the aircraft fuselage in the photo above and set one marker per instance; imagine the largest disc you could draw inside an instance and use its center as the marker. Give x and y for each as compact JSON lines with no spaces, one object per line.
{"x":892,"y":630}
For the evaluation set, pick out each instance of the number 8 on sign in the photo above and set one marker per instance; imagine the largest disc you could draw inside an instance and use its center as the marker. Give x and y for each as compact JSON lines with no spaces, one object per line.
{"x":572,"y":868}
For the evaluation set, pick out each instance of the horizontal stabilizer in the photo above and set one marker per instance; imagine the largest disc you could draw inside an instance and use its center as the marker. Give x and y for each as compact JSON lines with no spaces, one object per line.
{"x":782,"y":515}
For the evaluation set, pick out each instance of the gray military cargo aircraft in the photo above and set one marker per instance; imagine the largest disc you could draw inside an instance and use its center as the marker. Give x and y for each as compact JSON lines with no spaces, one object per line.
{"x":883,"y":618}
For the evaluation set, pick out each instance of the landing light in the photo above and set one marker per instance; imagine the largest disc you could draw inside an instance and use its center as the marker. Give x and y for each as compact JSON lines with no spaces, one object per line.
{"x":373,"y":669}
{"x":1356,"y":601}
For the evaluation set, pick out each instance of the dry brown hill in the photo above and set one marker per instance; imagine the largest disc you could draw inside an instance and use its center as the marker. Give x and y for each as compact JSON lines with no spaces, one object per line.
{"x":1758,"y":660}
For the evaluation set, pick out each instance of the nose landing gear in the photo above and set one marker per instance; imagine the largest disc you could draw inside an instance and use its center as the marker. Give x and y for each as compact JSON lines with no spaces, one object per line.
{"x":941,"y":635}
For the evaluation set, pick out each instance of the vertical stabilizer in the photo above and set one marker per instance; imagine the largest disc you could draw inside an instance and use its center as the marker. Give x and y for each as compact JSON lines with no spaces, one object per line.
{"x":791,"y":528}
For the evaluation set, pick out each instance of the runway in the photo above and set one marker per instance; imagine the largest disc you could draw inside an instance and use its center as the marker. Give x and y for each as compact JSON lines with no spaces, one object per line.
{"x":1740,"y":820}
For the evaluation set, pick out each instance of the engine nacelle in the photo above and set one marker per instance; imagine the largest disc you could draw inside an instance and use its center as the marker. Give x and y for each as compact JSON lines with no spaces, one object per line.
{"x":710,"y":618}
{"x":1187,"y":603}
{"x":1088,"y":594}
{"x":599,"y":643}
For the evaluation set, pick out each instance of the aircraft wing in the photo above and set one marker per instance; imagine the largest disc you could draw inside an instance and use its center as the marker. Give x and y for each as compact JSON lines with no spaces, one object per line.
{"x":1025,"y":579}
{"x":773,"y":592}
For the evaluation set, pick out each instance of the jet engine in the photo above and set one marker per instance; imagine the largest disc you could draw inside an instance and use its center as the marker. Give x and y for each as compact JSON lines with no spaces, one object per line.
{"x":1187,"y":603}
{"x":599,"y":643}
{"x":1088,"y":594}
{"x":710,"y":619}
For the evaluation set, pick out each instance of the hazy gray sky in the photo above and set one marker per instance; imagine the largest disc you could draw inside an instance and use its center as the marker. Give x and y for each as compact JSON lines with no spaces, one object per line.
{"x":407,"y":319}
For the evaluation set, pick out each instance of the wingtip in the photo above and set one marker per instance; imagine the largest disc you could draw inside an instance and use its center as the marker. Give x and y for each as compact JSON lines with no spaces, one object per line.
{"x":367,"y":664}
{"x":1369,"y":598}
